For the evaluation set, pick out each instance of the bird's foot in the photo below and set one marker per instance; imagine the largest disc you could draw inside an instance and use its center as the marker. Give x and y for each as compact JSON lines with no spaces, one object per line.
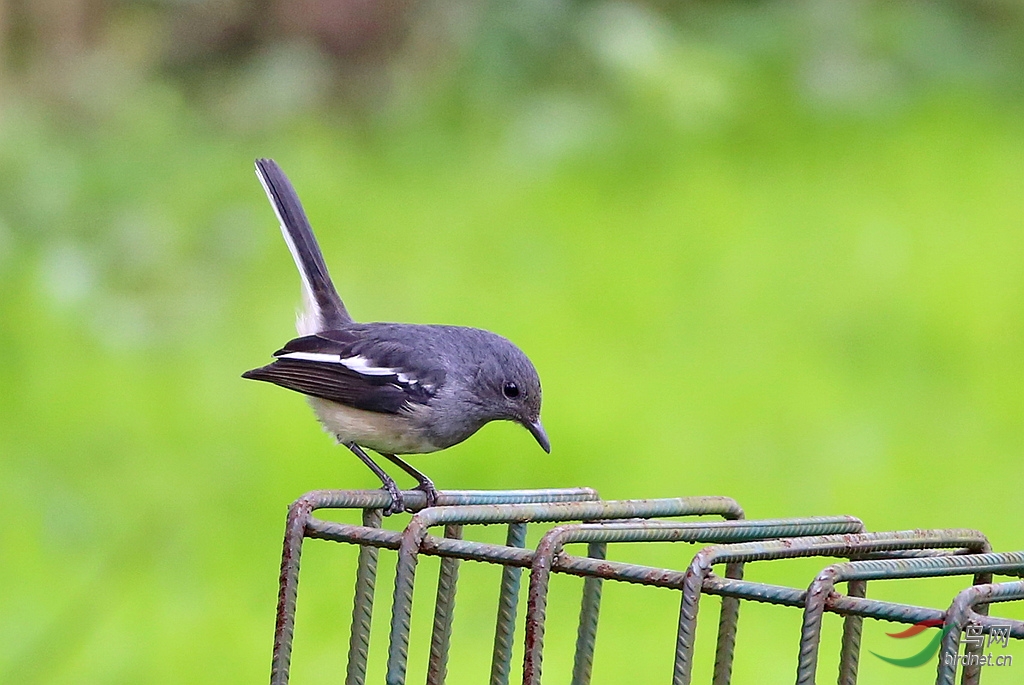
{"x":427,"y":487}
{"x":397,"y":505}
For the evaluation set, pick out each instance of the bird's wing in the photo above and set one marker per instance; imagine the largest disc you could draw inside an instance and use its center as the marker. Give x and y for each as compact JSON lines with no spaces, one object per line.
{"x":366,"y":373}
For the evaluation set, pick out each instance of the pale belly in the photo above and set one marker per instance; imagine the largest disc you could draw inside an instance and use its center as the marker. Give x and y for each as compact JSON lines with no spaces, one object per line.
{"x":388,"y":433}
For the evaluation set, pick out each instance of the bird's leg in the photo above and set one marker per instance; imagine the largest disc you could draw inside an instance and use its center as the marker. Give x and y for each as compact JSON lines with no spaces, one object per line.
{"x":425,"y":484}
{"x":397,"y":503}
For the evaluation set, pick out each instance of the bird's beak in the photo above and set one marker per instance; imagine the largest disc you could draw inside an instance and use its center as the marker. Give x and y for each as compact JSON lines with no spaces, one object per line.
{"x":537,"y":431}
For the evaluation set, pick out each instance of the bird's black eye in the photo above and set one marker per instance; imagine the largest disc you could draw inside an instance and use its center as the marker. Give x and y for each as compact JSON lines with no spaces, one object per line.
{"x":510,"y":390}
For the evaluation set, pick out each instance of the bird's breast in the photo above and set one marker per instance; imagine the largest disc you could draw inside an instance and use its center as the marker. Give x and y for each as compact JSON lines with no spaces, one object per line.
{"x":401,"y":433}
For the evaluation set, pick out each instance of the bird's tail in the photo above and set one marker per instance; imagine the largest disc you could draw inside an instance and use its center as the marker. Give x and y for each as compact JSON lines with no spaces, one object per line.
{"x":323,"y":306}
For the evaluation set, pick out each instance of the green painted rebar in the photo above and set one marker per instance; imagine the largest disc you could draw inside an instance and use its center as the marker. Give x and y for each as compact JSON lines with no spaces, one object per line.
{"x":849,"y":652}
{"x":508,"y":600}
{"x":825,"y":545}
{"x":362,"y":605}
{"x":820,"y":594}
{"x":727,"y":624}
{"x":549,"y":558}
{"x":444,"y":612}
{"x":962,"y":611}
{"x":586,"y":634}
{"x":972,"y":671}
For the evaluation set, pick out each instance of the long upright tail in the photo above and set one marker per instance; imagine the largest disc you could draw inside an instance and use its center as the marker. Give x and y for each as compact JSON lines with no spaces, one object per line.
{"x":323,"y":306}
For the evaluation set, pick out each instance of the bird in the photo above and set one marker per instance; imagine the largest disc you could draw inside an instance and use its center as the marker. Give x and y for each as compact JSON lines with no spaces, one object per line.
{"x":393,"y":388}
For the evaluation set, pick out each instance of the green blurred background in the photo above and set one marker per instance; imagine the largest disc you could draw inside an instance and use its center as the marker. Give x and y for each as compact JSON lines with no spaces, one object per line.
{"x":770,"y":250}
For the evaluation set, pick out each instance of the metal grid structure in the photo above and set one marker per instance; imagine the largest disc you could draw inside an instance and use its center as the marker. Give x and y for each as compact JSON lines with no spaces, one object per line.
{"x":734,"y":541}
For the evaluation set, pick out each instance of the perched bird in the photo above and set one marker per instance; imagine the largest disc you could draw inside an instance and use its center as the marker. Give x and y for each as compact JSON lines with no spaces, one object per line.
{"x":390,"y":387}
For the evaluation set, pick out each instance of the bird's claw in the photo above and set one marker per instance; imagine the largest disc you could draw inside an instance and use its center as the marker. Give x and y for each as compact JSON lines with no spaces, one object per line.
{"x":397,"y":505}
{"x":431,"y":493}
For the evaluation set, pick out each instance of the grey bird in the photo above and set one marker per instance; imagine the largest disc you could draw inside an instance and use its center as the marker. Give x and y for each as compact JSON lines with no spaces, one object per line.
{"x":390,"y":387}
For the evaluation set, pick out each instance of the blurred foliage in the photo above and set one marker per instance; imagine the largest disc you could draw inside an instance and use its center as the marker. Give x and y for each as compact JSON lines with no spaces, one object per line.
{"x":766,"y":250}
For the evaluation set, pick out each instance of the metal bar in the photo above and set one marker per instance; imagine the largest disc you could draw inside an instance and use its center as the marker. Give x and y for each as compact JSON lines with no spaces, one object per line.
{"x":362,"y":605}
{"x":590,"y":607}
{"x":840,"y":604}
{"x":849,"y":653}
{"x":416,"y":531}
{"x":609,"y":570}
{"x":508,"y":600}
{"x":579,"y":566}
{"x":514,"y":558}
{"x":972,"y":669}
{"x":501,"y":554}
{"x":824,"y":545}
{"x":686,"y":631}
{"x":1007,"y":563}
{"x":444,"y":612}
{"x":300,"y":517}
{"x":548,"y":557}
{"x":288,"y":588}
{"x":821,"y":593}
{"x":962,"y":611}
{"x":728,"y":621}
{"x":754,"y":592}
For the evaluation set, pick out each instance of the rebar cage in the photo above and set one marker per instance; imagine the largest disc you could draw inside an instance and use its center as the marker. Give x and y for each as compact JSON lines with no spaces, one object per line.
{"x":733,"y":541}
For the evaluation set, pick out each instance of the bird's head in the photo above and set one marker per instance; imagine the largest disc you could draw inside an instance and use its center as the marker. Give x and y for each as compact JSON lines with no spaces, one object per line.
{"x":509,"y":387}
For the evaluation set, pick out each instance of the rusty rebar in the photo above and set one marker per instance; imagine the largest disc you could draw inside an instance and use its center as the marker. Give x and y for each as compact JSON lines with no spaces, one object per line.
{"x":878,"y":555}
{"x":549,"y":557}
{"x":586,"y":632}
{"x":508,"y":600}
{"x":298,"y":526}
{"x":416,"y":532}
{"x":444,"y":612}
{"x":963,"y":611}
{"x":362,"y":605}
{"x":699,"y":571}
{"x":821,"y":594}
